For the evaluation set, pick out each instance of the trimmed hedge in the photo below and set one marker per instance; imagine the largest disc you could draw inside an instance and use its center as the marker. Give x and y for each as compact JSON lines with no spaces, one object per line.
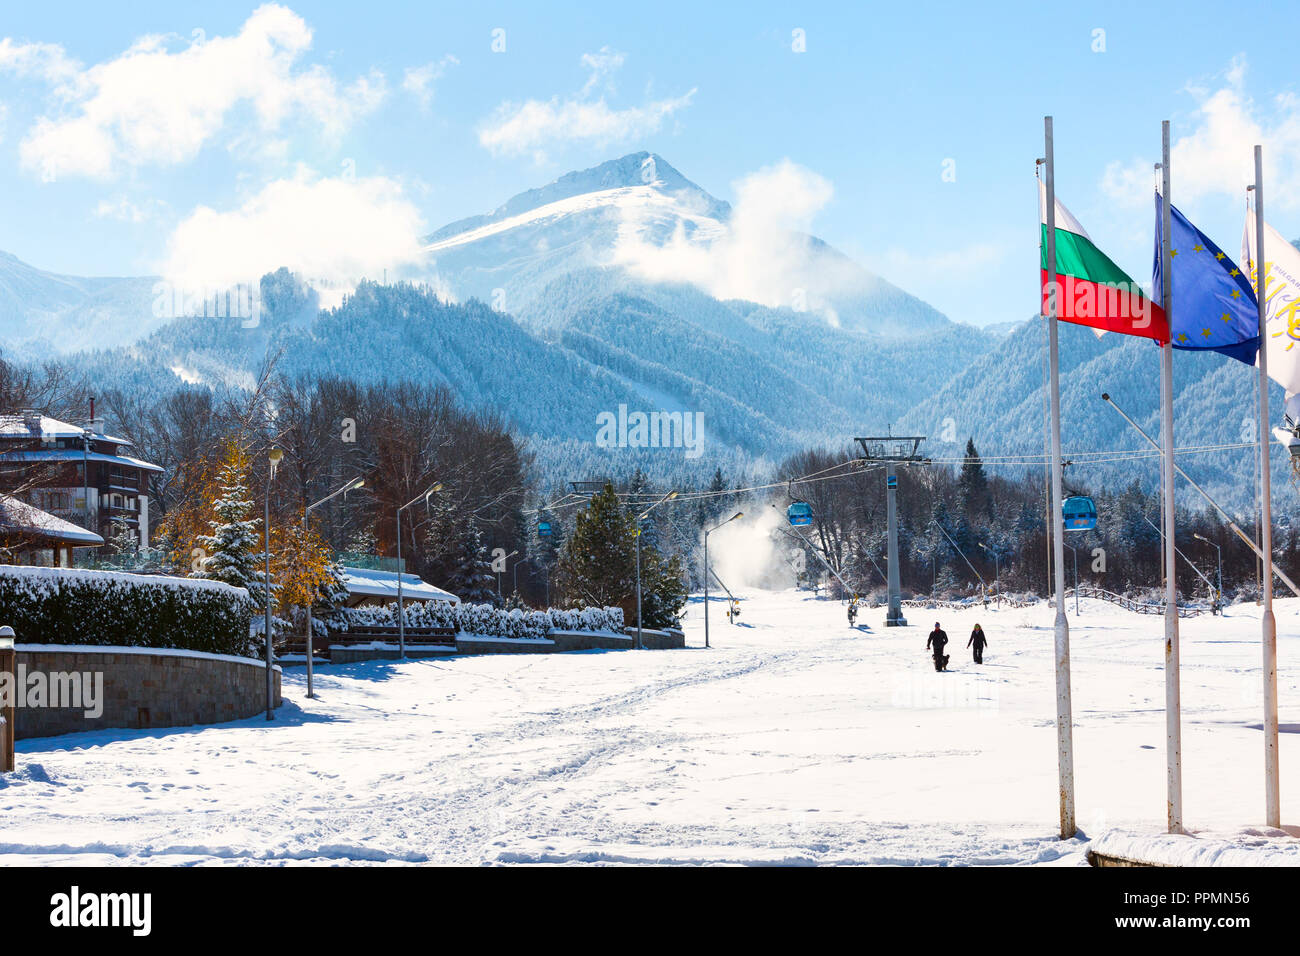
{"x":489,"y":621}
{"x":75,"y":606}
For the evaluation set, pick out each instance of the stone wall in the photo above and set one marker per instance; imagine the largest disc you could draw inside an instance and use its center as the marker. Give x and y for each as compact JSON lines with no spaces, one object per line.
{"x":352,"y":653}
{"x":144,"y":688}
{"x":466,"y":644}
{"x":555,"y":641}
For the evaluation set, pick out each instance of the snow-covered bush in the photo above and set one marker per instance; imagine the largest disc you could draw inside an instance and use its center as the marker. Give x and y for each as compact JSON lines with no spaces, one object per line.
{"x":487,"y":620}
{"x":74,"y":606}
{"x":587,"y":619}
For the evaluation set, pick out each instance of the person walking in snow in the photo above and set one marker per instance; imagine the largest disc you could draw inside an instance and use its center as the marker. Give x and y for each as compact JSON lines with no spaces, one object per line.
{"x":935,"y":643}
{"x":978,"y":641}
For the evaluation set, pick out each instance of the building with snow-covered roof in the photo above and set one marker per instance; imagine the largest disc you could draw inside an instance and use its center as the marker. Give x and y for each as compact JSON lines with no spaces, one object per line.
{"x":80,"y":474}
{"x":29,"y":535}
{"x":371,"y":586}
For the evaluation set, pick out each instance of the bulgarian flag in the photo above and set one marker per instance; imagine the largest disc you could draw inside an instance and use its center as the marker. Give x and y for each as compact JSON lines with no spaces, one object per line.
{"x":1091,"y":290}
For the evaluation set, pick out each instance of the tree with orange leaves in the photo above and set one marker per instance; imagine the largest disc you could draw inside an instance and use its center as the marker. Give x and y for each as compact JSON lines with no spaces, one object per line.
{"x":303,"y":567}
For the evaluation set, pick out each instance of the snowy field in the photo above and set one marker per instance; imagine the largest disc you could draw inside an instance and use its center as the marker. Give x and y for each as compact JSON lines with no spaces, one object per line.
{"x":793,"y":740}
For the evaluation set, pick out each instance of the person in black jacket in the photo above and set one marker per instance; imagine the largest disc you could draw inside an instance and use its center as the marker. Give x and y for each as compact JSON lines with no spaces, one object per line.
{"x":978,"y":641}
{"x":935,"y":642}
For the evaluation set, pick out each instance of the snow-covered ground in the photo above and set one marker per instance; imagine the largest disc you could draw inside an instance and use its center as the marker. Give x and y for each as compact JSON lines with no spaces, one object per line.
{"x":793,"y":740}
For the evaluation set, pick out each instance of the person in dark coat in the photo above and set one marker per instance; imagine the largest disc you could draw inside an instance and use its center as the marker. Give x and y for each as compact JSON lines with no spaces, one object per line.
{"x":978,"y":641}
{"x":935,"y":643}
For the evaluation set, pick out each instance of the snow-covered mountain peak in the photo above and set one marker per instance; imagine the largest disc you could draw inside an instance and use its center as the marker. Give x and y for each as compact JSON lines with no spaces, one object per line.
{"x":640,"y":178}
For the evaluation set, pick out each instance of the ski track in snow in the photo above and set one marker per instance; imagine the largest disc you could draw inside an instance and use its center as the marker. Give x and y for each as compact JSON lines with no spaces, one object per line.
{"x":794,"y":741}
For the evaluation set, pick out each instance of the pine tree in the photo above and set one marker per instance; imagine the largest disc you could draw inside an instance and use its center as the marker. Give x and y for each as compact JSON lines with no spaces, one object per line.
{"x":663,"y":589}
{"x":234,"y":546}
{"x":471,"y":577}
{"x":598,"y":564}
{"x":124,"y":545}
{"x":973,"y":483}
{"x":363,"y":542}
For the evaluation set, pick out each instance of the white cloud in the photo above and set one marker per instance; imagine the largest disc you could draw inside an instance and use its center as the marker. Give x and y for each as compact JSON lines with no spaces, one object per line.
{"x":43,"y":61}
{"x":1216,"y":154}
{"x":765,"y":254}
{"x":331,"y":231}
{"x":530,"y":126}
{"x":152,"y":106}
{"x":419,"y":80}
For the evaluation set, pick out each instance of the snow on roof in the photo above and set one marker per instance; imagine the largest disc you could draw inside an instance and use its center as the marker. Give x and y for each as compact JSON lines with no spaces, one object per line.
{"x":368,"y":582}
{"x":75,"y":454}
{"x":18,"y":517}
{"x":20,"y":426}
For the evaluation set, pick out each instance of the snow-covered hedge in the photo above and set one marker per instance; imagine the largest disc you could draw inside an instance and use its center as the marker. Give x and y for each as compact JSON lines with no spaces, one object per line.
{"x":489,"y":621}
{"x":74,"y":606}
{"x":587,"y":619}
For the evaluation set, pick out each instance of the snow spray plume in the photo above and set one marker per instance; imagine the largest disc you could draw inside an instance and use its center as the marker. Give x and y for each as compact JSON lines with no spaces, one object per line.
{"x":752,"y":552}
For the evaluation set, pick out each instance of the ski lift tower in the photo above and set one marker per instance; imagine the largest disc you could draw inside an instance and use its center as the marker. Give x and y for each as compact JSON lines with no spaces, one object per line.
{"x":891,"y":451}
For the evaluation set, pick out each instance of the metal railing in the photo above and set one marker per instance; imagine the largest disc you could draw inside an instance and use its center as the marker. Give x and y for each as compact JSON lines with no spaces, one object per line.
{"x":1129,"y":604}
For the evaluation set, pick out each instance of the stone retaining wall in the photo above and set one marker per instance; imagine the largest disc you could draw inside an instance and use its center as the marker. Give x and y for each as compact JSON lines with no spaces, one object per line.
{"x":144,"y":688}
{"x":555,"y":641}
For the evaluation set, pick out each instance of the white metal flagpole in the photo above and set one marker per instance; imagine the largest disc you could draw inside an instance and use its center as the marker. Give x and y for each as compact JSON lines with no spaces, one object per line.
{"x":1272,"y":792}
{"x":1064,"y":716}
{"x":1173,"y":703}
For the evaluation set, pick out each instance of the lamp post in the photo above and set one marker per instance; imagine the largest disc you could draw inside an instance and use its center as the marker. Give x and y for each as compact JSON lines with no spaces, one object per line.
{"x":502,"y":571}
{"x":7,"y":659}
{"x":1219,"y":555}
{"x":637,"y":533}
{"x":401,"y":614}
{"x":350,"y":486}
{"x":706,"y":571}
{"x":997,"y":585}
{"x":273,"y":456}
{"x":514,"y":587}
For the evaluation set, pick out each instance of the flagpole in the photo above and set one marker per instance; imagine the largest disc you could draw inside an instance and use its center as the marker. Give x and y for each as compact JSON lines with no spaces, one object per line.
{"x":1173,"y":703}
{"x":1272,"y":791}
{"x":1064,"y":718}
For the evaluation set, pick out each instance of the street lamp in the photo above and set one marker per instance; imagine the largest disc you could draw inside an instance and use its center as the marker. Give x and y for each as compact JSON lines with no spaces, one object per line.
{"x":350,"y":486}
{"x":514,"y":588}
{"x":997,"y":586}
{"x":7,"y":669}
{"x":503,"y":568}
{"x":637,"y":533}
{"x":401,"y":613}
{"x":273,"y":456}
{"x":1219,"y":553}
{"x":710,"y":531}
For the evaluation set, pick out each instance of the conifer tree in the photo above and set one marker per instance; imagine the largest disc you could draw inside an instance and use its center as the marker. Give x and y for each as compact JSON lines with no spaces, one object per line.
{"x":124,"y":544}
{"x":471,"y":572}
{"x":233,"y":547}
{"x":973,"y":483}
{"x":598,"y":564}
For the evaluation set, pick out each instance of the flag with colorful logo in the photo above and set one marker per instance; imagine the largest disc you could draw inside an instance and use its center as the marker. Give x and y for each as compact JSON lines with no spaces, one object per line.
{"x":1281,"y":306}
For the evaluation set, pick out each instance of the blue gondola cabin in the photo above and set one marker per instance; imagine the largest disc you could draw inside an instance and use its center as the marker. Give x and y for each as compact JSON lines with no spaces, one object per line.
{"x":1079,"y":513}
{"x":799,"y":514}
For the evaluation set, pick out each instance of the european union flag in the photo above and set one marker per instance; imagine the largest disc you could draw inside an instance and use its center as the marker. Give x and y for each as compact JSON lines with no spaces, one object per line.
{"x":1214,"y":304}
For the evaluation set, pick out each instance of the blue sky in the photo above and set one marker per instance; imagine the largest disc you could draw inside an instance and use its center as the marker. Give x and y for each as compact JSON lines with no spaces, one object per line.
{"x":157,"y":138}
